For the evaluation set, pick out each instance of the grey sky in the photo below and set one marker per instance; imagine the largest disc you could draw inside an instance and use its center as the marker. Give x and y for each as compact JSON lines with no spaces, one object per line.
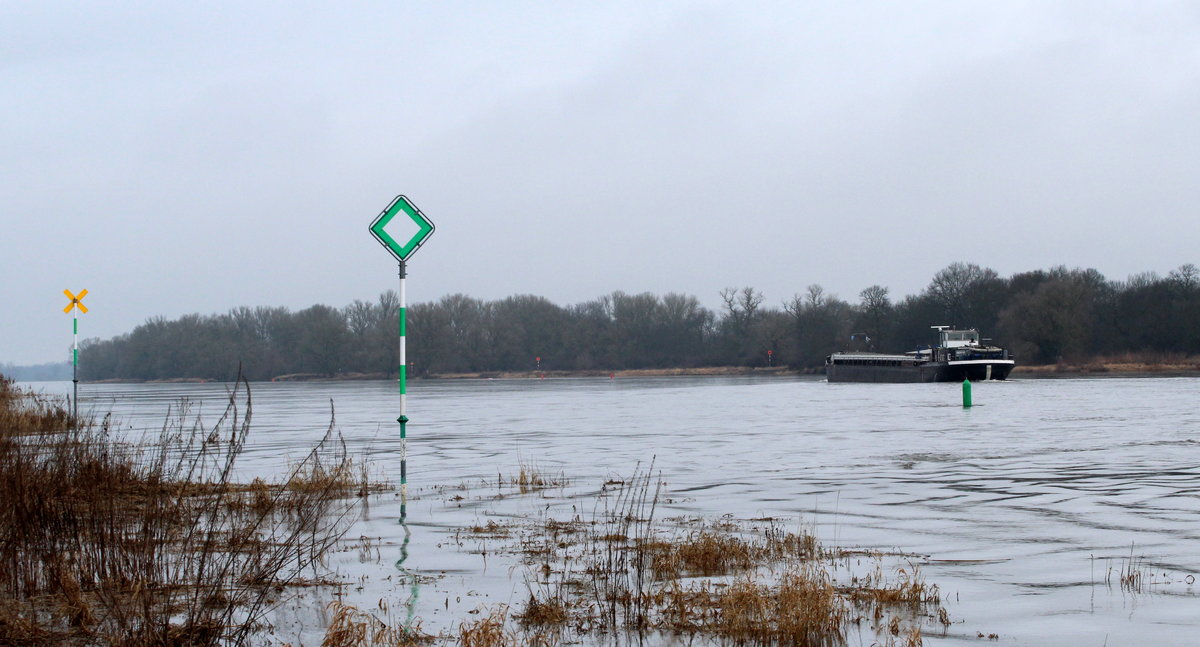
{"x":176,"y":158}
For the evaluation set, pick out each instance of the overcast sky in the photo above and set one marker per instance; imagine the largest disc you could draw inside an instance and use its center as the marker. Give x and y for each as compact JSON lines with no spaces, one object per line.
{"x":190,"y":157}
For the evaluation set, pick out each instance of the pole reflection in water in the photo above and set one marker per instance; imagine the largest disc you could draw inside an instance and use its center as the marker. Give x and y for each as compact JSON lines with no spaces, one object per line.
{"x":414,"y":590}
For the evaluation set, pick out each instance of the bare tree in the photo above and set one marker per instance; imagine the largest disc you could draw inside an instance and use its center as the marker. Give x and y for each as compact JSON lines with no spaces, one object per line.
{"x":953,"y":287}
{"x":741,"y":306}
{"x":1187,"y":276}
{"x":875,"y":312}
{"x":874,"y":300}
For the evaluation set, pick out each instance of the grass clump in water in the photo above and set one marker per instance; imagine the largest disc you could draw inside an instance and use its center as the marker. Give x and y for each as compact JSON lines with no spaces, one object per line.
{"x":352,"y":627}
{"x":531,"y":478}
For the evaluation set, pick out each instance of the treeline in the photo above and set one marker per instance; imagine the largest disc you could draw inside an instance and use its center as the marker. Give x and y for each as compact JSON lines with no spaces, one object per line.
{"x":50,"y":372}
{"x":1043,"y":316}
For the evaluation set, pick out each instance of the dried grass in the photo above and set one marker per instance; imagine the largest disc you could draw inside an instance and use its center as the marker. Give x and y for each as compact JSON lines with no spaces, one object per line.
{"x":803,"y":608}
{"x":487,"y":631}
{"x":623,"y":575}
{"x":742,"y":582}
{"x":352,"y":627}
{"x":531,"y":478}
{"x":103,"y":542}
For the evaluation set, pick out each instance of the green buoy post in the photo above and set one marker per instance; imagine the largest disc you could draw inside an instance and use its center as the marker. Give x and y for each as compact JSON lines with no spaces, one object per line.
{"x":966,"y":393}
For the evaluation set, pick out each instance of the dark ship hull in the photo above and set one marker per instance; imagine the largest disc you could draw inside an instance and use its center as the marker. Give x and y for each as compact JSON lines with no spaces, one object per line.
{"x":862,"y":367}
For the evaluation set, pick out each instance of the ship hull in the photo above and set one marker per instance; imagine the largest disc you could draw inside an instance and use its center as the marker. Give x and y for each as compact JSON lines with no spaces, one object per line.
{"x":975,"y":371}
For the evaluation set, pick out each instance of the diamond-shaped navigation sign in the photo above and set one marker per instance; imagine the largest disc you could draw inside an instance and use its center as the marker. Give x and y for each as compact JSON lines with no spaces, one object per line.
{"x":401,"y":228}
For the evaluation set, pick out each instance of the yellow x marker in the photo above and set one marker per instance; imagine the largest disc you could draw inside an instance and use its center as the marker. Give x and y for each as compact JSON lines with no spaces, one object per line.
{"x":75,"y":301}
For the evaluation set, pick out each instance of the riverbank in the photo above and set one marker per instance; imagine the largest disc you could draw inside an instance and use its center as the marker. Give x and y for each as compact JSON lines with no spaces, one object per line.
{"x":635,"y":372}
{"x":1122,"y":366}
{"x":1105,"y":370}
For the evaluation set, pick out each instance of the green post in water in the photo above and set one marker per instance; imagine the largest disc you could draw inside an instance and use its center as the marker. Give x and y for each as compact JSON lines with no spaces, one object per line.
{"x":966,"y":392}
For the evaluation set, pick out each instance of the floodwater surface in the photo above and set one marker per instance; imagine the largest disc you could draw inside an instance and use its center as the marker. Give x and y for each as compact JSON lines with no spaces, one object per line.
{"x":1023,"y":508}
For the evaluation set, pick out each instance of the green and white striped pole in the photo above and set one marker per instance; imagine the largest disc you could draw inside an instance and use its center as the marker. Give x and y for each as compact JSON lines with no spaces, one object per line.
{"x":75,"y":364}
{"x":75,"y":307}
{"x":403,"y":377}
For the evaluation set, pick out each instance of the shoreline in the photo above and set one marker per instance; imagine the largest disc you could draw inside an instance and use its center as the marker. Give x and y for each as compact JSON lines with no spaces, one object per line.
{"x":1110,"y":369}
{"x":1187,"y":368}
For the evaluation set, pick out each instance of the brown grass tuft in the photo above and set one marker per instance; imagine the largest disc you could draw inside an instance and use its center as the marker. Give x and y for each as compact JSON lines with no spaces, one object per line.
{"x":547,"y":611}
{"x":530,"y":478}
{"x":351,"y":627}
{"x":803,"y":608}
{"x":488,"y":631}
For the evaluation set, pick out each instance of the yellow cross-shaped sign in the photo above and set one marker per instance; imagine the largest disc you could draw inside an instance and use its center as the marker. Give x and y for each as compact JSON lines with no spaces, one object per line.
{"x":76,"y":301}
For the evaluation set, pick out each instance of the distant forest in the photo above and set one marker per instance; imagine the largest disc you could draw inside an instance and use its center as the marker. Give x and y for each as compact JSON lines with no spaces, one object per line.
{"x":1043,"y":316}
{"x":49,"y":372}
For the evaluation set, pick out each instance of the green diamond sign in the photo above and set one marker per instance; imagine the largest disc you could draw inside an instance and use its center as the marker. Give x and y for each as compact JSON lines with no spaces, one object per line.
{"x":401,"y":228}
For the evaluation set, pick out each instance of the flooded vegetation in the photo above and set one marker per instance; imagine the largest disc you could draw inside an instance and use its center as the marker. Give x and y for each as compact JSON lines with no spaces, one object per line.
{"x":1053,"y":512}
{"x":747,"y":581}
{"x":622,"y":573}
{"x":106,"y":542}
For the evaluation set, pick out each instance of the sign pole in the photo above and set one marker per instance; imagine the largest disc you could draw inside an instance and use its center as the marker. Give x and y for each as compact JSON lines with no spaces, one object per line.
{"x":75,"y":307}
{"x":403,"y":378}
{"x":75,"y":364}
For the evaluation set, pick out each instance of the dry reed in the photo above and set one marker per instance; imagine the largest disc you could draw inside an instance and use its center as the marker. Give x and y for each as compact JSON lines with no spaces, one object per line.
{"x":352,"y":627}
{"x":103,"y":542}
{"x":530,"y":478}
{"x":487,"y":631}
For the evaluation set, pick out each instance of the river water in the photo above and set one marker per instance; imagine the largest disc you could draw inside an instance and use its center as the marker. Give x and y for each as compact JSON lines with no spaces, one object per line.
{"x":1018,"y":506}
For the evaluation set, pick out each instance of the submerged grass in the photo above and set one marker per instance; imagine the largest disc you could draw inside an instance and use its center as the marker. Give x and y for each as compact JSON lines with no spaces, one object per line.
{"x":531,"y":478}
{"x":105,"y":542}
{"x":625,"y":572}
{"x":352,"y":627}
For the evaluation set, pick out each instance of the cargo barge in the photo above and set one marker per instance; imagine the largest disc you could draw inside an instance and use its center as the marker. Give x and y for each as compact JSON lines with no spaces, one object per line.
{"x":958,"y":356}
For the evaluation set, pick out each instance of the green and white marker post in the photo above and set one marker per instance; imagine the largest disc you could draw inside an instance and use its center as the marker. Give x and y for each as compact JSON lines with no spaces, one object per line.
{"x":75,"y":307}
{"x":402,"y":229}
